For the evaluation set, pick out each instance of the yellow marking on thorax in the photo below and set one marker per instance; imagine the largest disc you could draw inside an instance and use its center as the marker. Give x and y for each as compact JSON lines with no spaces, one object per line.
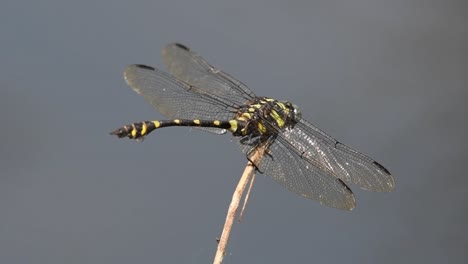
{"x":177,"y":121}
{"x":277,"y":118}
{"x":244,"y":131}
{"x":251,"y":110}
{"x":143,"y":129}
{"x":247,"y":115}
{"x":257,"y":105}
{"x":242,"y":118}
{"x":270,"y":99}
{"x":234,"y":125}
{"x":281,"y":105}
{"x":216,"y":123}
{"x":156,"y":124}
{"x":196,"y":122}
{"x":261,"y":128}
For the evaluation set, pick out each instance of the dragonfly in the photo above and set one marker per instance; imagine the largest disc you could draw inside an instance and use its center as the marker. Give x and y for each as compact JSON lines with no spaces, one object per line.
{"x":297,"y":155}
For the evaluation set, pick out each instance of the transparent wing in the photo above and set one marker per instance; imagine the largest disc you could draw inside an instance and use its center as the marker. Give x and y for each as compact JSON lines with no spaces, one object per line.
{"x":191,"y":68}
{"x":341,"y":161}
{"x":175,"y":98}
{"x":300,"y":176}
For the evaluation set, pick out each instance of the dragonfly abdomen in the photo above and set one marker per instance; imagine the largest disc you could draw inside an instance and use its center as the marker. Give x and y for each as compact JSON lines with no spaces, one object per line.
{"x":141,"y":129}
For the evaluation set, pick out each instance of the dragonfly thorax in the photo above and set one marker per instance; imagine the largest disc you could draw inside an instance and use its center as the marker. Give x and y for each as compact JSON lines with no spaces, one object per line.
{"x":265,"y":117}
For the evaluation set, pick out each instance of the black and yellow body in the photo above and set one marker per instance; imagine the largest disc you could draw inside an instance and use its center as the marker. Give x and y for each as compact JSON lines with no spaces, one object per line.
{"x":141,"y":129}
{"x":297,"y":155}
{"x":260,"y":118}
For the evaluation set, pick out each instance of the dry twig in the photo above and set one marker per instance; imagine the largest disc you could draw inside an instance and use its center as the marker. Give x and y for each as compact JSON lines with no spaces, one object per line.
{"x":246,"y":198}
{"x":236,"y":197}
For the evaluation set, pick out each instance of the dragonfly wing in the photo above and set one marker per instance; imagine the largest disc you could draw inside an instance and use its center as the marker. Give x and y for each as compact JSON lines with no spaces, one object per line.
{"x":343,"y":162}
{"x":300,"y":176}
{"x":175,"y":98}
{"x":193,"y":69}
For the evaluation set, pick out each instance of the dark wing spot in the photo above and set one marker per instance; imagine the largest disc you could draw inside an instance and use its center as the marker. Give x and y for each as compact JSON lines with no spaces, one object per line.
{"x":345,"y":186}
{"x":381,"y":167}
{"x":146,"y":67}
{"x":182,"y":46}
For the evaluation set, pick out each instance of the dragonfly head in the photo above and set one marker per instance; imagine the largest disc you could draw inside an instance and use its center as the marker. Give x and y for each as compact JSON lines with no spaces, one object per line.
{"x":297,"y":113}
{"x":294,"y":113}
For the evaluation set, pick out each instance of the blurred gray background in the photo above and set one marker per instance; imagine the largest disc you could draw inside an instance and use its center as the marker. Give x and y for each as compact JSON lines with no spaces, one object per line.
{"x":386,"y":77}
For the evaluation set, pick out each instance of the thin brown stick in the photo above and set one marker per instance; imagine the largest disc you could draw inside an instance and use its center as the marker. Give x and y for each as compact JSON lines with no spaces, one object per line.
{"x":246,"y":198}
{"x":236,"y":197}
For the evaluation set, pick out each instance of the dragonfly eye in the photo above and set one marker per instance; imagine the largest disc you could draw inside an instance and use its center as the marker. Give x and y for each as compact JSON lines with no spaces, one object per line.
{"x":297,"y":112}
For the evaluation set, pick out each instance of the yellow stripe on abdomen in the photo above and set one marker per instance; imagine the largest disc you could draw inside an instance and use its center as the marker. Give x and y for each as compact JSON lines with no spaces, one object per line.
{"x":134,"y":131}
{"x":144,"y":128}
{"x":234,"y":125}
